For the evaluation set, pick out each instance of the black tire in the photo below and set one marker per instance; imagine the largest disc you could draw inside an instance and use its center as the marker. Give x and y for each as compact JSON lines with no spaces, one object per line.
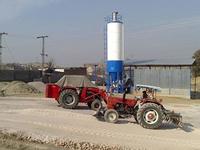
{"x":68,"y":99}
{"x":135,"y":117}
{"x":135,"y":114}
{"x":150,"y":116}
{"x":96,"y":104}
{"x":89,"y":104}
{"x":111,"y":116}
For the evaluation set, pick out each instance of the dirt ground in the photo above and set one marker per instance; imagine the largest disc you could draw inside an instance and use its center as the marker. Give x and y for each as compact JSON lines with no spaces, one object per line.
{"x":42,"y":120}
{"x":14,"y":142}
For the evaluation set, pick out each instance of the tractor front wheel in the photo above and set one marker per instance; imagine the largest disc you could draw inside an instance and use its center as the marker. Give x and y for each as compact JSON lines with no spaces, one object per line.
{"x":96,"y":104}
{"x":68,"y":99}
{"x":111,"y":116}
{"x":150,"y":115}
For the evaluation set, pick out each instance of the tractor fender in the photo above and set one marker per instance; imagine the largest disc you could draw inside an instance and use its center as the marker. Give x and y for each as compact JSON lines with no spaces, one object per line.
{"x":139,"y":104}
{"x":68,"y":87}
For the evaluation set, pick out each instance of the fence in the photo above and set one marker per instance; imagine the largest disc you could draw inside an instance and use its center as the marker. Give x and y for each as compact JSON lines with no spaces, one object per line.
{"x":31,"y":75}
{"x":20,"y":75}
{"x":174,"y":81}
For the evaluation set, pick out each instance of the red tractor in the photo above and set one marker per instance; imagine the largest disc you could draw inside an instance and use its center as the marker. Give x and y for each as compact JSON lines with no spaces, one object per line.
{"x":147,"y":110}
{"x":71,"y":90}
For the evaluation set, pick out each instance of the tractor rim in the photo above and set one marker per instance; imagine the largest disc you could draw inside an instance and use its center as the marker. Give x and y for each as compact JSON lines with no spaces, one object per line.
{"x":112,"y":116}
{"x":69,"y":99}
{"x":151,"y":116}
{"x":96,"y":105}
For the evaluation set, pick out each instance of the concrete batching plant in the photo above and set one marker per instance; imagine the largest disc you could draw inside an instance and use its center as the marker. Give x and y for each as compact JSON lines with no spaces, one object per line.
{"x":115,"y":53}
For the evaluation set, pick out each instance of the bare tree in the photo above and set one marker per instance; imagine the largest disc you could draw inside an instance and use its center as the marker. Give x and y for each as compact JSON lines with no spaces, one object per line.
{"x":51,"y":63}
{"x":196,"y":67}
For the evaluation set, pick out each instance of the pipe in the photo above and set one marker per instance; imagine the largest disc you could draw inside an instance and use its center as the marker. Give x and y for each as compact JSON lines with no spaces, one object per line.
{"x":114,"y":16}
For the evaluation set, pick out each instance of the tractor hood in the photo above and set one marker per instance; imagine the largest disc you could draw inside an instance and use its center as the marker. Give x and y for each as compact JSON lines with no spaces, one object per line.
{"x":75,"y":81}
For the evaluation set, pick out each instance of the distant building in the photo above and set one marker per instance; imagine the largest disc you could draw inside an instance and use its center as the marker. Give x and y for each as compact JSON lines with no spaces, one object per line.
{"x":172,"y":75}
{"x":95,"y":69}
{"x":75,"y":71}
{"x":55,"y":74}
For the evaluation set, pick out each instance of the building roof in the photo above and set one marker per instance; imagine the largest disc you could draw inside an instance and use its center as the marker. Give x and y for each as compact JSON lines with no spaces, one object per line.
{"x":160,"y":62}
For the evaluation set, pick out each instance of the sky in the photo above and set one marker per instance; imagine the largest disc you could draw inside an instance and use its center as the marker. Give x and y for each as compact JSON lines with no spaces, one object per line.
{"x":156,"y":29}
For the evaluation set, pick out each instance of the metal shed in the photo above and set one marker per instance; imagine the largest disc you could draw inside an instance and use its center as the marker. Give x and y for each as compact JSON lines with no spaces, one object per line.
{"x":172,"y":75}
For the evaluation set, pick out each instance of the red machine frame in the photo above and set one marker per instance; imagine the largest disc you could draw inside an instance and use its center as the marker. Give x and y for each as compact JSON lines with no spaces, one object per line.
{"x":85,"y":94}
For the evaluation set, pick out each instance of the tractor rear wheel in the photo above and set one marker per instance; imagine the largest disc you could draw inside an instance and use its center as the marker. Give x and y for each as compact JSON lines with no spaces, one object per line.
{"x":68,"y":99}
{"x":150,"y":115}
{"x":111,"y":116}
{"x":96,"y":104}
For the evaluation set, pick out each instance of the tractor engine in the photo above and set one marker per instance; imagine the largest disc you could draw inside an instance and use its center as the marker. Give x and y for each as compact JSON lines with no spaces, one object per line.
{"x":123,"y":108}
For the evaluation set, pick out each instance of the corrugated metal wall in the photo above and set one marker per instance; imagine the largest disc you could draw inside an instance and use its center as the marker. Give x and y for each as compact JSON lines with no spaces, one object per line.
{"x":173,"y":80}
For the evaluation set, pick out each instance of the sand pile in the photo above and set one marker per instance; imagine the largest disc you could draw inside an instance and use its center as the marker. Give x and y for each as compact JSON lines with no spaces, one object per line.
{"x":18,"y":88}
{"x":38,"y":85}
{"x":3,"y":84}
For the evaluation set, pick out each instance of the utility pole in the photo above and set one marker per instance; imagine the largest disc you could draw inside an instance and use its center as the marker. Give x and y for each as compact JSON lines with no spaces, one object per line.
{"x":43,"y":54}
{"x":1,"y":48}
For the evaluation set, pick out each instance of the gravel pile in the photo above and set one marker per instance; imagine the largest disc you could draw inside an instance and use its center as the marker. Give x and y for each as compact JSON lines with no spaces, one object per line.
{"x":3,"y":84}
{"x":18,"y":88}
{"x":64,"y":143}
{"x":38,"y":85}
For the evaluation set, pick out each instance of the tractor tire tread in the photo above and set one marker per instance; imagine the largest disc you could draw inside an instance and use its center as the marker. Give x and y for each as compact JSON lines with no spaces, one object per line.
{"x":72,"y":92}
{"x":93,"y":104}
{"x":142,"y":109}
{"x":107,"y":113}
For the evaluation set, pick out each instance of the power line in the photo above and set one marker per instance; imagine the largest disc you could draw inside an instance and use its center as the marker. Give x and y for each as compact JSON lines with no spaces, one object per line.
{"x":21,"y":36}
{"x":1,"y":48}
